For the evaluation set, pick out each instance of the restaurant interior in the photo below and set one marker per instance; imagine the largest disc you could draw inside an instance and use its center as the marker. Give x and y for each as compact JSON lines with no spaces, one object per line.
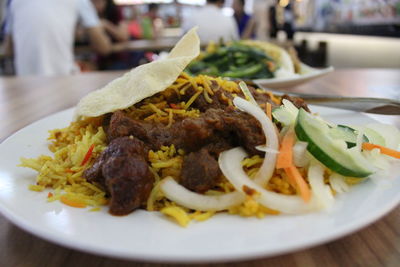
{"x":323,"y":32}
{"x":102,"y":71}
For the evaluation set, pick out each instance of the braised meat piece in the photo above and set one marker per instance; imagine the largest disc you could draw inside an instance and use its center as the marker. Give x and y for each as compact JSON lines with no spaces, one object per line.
{"x":200,"y":171}
{"x":220,"y":98}
{"x":154,"y":135}
{"x":297,"y":101}
{"x":123,"y":170}
{"x":193,"y":133}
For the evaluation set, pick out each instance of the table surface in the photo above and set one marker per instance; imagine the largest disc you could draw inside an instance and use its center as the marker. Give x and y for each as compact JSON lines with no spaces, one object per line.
{"x":25,"y":100}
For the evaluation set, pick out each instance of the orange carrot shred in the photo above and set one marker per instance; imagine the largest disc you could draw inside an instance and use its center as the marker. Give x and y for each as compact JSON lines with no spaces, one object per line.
{"x":285,"y":161}
{"x":268,"y":110}
{"x":49,"y":195}
{"x":384,"y":150}
{"x":72,"y":203}
{"x":302,"y":186}
{"x":88,"y":155}
{"x":174,"y":106}
{"x":285,"y":156}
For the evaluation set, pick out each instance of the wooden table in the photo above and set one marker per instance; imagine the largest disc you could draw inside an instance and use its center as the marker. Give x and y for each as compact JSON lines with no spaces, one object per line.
{"x":24,"y":100}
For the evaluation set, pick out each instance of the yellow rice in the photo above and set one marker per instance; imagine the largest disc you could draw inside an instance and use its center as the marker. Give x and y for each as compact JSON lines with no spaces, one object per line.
{"x":62,"y":173}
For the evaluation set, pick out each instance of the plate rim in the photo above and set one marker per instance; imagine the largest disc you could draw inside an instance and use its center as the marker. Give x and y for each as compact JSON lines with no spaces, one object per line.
{"x":314,"y":74}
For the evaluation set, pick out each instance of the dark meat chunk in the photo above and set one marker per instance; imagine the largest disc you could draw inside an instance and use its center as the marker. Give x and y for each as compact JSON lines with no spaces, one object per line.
{"x":122,"y":125}
{"x":238,"y":128}
{"x":218,"y":146}
{"x":124,"y":172}
{"x":200,"y":171}
{"x":261,"y":98}
{"x":191,"y":134}
{"x":218,"y":101}
{"x":154,"y":135}
{"x":297,"y":101}
{"x":220,"y":98}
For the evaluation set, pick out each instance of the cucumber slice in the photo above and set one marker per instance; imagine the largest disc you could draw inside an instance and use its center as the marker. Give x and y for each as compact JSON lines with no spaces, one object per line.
{"x":286,"y":113}
{"x":348,"y":134}
{"x":331,"y":152}
{"x":373,"y":136}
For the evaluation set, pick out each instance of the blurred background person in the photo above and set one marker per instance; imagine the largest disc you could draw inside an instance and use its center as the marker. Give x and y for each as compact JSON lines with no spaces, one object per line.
{"x":261,"y":19}
{"x":151,"y":23}
{"x":213,"y":24}
{"x":42,"y":34}
{"x":289,"y":18}
{"x":244,"y":21}
{"x":112,"y":20}
{"x":134,"y":27}
{"x":273,"y":22}
{"x":117,"y":30}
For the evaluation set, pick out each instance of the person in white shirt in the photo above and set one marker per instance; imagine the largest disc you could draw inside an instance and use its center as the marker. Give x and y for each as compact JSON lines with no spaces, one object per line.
{"x":213,"y":24}
{"x":42,"y":34}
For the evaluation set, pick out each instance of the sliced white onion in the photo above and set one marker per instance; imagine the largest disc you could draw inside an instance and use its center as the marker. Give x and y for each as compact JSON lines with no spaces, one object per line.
{"x":321,"y":192}
{"x":264,"y":148}
{"x":247,"y":93}
{"x":230,"y":165}
{"x":338,"y":183}
{"x":360,"y":139}
{"x":389,"y":132}
{"x":268,"y":166}
{"x":186,"y":198}
{"x":378,"y":160}
{"x":300,"y":156}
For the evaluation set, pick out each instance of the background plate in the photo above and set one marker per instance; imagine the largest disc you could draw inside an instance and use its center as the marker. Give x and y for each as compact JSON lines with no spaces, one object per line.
{"x":309,"y":74}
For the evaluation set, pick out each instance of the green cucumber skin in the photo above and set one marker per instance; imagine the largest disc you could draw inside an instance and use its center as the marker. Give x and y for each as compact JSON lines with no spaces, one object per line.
{"x":324,"y":158}
{"x":349,"y":143}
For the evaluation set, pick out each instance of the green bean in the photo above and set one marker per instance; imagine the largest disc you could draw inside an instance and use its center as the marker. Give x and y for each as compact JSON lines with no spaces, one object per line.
{"x":244,"y":72}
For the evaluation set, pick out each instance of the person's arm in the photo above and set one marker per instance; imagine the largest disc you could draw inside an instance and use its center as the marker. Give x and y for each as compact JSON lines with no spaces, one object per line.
{"x":99,"y":40}
{"x":249,"y":29}
{"x":118,"y":32}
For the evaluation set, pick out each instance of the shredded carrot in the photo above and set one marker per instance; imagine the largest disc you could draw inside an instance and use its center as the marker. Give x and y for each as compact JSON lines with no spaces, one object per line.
{"x":302,"y":186}
{"x":384,"y":150}
{"x":285,"y":161}
{"x":268,"y":110}
{"x":285,"y":156}
{"x":274,"y":98}
{"x":88,"y":155}
{"x":72,"y":203}
{"x":69,"y":171}
{"x":49,"y":195}
{"x":174,"y":106}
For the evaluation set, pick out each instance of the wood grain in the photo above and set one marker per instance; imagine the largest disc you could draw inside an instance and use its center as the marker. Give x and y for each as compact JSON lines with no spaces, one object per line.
{"x":25,"y":100}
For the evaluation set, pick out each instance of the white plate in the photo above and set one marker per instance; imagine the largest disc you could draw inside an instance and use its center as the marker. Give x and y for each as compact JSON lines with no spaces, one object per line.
{"x":308,"y":73}
{"x":152,"y":237}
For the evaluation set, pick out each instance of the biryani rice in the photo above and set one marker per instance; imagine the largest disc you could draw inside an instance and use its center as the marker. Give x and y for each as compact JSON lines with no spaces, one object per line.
{"x":63,"y":173}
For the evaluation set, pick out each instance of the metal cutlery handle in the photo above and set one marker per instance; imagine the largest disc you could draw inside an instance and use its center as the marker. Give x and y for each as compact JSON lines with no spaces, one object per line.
{"x":361,"y":104}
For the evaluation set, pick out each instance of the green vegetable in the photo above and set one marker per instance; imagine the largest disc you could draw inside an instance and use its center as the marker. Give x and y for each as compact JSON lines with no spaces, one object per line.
{"x":348,"y":134}
{"x":331,"y":152}
{"x":236,"y":61}
{"x":243,"y":72}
